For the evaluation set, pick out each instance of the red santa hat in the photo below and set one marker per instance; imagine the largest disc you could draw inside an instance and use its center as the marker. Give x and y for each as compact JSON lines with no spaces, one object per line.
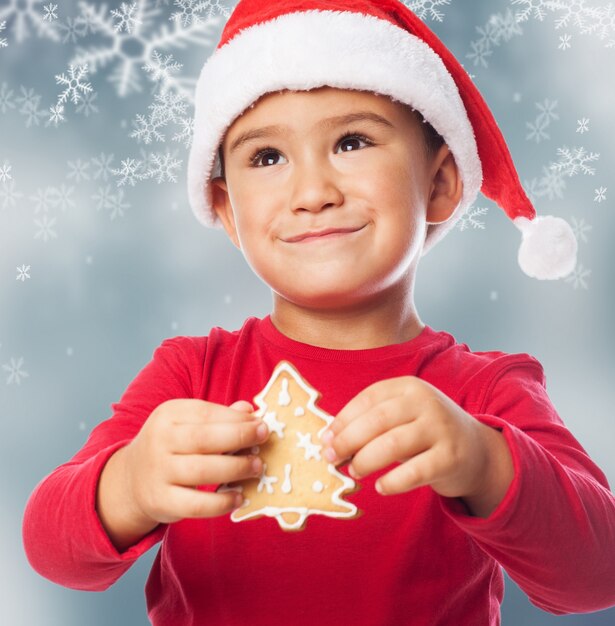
{"x":378,"y":46}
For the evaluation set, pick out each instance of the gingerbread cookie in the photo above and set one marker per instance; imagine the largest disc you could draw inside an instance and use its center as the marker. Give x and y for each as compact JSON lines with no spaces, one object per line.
{"x":297,"y":481}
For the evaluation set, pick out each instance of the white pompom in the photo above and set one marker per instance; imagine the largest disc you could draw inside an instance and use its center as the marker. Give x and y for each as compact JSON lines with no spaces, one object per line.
{"x":549,"y":247}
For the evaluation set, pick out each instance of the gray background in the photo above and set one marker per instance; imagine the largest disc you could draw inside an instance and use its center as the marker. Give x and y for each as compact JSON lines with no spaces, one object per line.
{"x":108,"y":288}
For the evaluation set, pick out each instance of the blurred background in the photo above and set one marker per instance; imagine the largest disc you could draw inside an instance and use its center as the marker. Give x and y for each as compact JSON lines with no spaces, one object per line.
{"x":101,"y":258}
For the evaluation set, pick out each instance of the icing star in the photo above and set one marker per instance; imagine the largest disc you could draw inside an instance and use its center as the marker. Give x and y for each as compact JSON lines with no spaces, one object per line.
{"x":312,"y":451}
{"x":274,"y":424}
{"x":266,"y":481}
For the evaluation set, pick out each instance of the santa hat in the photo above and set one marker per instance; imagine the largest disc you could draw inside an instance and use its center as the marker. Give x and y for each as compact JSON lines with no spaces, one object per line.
{"x":378,"y":46}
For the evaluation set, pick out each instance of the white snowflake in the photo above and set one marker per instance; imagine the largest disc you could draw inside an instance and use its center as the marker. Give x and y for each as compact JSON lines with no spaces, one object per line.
{"x":161,"y":70}
{"x":583,"y":125}
{"x":50,"y":12}
{"x":600,"y":194}
{"x":580,"y":229}
{"x":24,"y":12}
{"x":43,"y":200}
{"x":15,"y":371}
{"x":564,"y":42}
{"x":55,"y":115}
{"x":5,"y":172}
{"x":116,"y":204}
{"x":22,"y":273}
{"x":78,"y":171}
{"x":547,"y":109}
{"x":3,"y":42}
{"x":63,"y":197}
{"x":533,"y":8}
{"x":573,"y":12}
{"x":74,"y":85}
{"x":73,"y":29}
{"x":102,"y":198}
{"x":169,"y":107}
{"x":162,"y":166}
{"x":87,"y":106}
{"x":130,"y":171}
{"x":45,"y":231}
{"x":30,"y":102}
{"x":102,"y":163}
{"x":189,"y":13}
{"x":500,"y":27}
{"x":425,"y":8}
{"x":537,"y":130}
{"x":126,"y":17}
{"x":140,"y":43}
{"x":573,"y":162}
{"x":6,"y":98}
{"x":552,"y":183}
{"x":577,"y":277}
{"x":469,"y":218}
{"x":9,"y":195}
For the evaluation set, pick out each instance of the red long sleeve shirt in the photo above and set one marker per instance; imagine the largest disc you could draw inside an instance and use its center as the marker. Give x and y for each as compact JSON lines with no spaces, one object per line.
{"x":417,"y":558}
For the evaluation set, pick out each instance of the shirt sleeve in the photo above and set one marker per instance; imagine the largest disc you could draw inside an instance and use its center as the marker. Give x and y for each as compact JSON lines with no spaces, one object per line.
{"x":554,"y":530}
{"x":63,"y":537}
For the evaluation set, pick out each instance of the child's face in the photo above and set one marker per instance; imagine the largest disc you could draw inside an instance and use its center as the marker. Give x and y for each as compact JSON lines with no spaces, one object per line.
{"x":309,"y":181}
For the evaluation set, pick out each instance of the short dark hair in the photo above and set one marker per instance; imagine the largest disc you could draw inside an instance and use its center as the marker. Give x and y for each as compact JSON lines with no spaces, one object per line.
{"x":433,"y":140}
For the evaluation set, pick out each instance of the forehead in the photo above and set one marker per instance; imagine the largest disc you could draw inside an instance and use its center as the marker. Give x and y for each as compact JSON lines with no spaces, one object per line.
{"x":313,"y":105}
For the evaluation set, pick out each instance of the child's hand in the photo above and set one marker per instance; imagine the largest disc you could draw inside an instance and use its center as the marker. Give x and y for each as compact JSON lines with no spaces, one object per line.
{"x":183,"y":444}
{"x":435,"y":441}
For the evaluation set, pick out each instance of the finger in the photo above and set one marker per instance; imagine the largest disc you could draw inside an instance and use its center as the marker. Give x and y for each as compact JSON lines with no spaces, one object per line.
{"x":193,"y":503}
{"x":372,"y":395}
{"x":217,"y":438}
{"x":209,"y":469}
{"x":242,"y":405}
{"x":384,"y":416}
{"x":193,"y":411}
{"x":396,"y":445}
{"x":416,"y":472}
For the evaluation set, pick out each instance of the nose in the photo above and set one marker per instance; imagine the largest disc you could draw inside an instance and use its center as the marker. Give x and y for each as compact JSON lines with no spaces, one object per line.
{"x":315,"y":186}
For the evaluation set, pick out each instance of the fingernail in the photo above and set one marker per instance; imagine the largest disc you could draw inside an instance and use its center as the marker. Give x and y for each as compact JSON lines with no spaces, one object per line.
{"x":238,"y":500}
{"x":257,"y":465}
{"x":262,"y":431}
{"x":327,"y":437}
{"x":352,"y":472}
{"x":330,"y":455}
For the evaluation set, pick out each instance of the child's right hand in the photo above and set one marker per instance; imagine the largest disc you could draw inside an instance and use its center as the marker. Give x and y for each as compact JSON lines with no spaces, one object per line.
{"x":184,"y":443}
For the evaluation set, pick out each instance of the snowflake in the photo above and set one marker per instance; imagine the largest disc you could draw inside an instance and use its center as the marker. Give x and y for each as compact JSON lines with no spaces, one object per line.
{"x":583,"y":125}
{"x":160,"y":70}
{"x":87,"y":106}
{"x":125,"y":15}
{"x":162,"y":166}
{"x":564,"y":42}
{"x":30,"y":102}
{"x":73,"y":84}
{"x":78,"y":171}
{"x":102,"y":198}
{"x":499,"y":27}
{"x":600,"y":194}
{"x":575,"y":162}
{"x":43,"y":199}
{"x":116,"y":204}
{"x":552,"y":184}
{"x":543,"y":120}
{"x":604,"y":24}
{"x":23,"y":273}
{"x":23,"y":11}
{"x":580,"y":229}
{"x":537,"y":130}
{"x":189,"y":13}
{"x":578,"y":276}
{"x":424,"y":8}
{"x":50,"y":12}
{"x":547,"y":109}
{"x":73,"y":29}
{"x":6,"y":101}
{"x":45,"y":231}
{"x":9,"y":195}
{"x":15,"y":371}
{"x":5,"y":172}
{"x":169,"y":107}
{"x":533,"y":8}
{"x":3,"y":42}
{"x":103,"y":166}
{"x":55,"y":115}
{"x":480,"y":52}
{"x":469,"y":219}
{"x":130,"y":171}
{"x":135,"y":49}
{"x":574,"y":12}
{"x":64,"y":197}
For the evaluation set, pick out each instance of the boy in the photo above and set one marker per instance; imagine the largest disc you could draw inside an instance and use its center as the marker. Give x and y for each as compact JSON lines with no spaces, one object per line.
{"x":464,"y":463}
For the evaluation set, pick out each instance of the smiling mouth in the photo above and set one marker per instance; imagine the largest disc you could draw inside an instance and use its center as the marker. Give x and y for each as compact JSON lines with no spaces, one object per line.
{"x":325,"y":235}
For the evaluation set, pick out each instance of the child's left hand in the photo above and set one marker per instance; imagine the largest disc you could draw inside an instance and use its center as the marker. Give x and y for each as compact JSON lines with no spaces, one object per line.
{"x":436,"y":442}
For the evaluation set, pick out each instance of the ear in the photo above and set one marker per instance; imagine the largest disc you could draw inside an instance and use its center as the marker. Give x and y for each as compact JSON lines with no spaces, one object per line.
{"x":446,"y":187}
{"x":223,"y":209}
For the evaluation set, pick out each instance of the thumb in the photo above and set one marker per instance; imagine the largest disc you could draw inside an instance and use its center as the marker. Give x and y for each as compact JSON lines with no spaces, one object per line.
{"x":242,"y":405}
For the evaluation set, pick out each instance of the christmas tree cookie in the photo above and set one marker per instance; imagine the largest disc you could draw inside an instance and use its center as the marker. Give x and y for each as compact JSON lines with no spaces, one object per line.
{"x":296,"y":481}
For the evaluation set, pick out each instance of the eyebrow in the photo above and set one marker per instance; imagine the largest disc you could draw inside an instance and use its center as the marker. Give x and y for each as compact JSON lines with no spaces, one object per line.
{"x":324,"y":124}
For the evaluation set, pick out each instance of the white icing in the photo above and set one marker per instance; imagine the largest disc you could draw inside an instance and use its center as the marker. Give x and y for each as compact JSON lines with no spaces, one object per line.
{"x":317,"y":487}
{"x":312,"y":451}
{"x":299,"y":412}
{"x":284,"y":398}
{"x":286,"y":486}
{"x":266,"y":481}
{"x":271,"y":419}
